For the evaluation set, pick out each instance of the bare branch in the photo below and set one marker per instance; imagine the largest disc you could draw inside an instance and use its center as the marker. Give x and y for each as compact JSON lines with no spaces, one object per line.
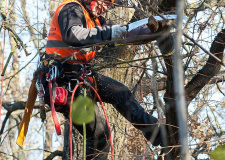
{"x":211,"y":68}
{"x":54,"y":154}
{"x":7,"y":26}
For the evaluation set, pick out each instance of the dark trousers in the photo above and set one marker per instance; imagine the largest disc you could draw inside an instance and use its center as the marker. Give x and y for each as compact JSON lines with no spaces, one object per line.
{"x":117,"y":94}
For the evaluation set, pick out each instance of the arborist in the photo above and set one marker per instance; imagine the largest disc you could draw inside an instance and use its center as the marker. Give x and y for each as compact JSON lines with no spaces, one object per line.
{"x":78,"y":23}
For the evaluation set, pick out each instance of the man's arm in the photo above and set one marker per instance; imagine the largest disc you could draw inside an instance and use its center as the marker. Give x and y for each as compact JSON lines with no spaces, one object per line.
{"x":138,"y":32}
{"x":74,"y":29}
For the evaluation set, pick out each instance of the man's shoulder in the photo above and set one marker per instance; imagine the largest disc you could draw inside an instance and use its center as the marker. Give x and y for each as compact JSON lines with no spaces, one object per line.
{"x":71,"y":14}
{"x":72,"y":6}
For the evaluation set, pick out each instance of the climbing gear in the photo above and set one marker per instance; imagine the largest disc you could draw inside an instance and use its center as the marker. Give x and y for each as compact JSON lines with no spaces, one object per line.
{"x":32,"y":95}
{"x":41,"y":92}
{"x":57,"y":48}
{"x":74,"y":75}
{"x":51,"y":78}
{"x":61,"y":96}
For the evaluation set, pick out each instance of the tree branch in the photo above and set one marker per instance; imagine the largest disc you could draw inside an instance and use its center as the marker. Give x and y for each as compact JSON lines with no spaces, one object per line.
{"x":211,"y":68}
{"x":7,"y":26}
{"x":4,"y":123}
{"x":54,"y":154}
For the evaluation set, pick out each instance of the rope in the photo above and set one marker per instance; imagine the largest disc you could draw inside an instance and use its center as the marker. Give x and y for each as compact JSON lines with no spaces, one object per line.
{"x":74,"y":90}
{"x":110,"y":137}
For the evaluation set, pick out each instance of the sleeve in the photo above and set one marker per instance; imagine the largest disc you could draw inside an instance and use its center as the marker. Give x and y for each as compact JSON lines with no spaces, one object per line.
{"x":74,"y":29}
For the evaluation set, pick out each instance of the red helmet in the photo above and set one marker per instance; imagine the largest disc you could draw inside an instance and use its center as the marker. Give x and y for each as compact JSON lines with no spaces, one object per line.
{"x":97,"y":11}
{"x":89,"y":1}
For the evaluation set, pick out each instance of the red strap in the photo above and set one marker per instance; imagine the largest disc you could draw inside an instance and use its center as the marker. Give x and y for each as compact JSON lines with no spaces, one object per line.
{"x":54,"y":116}
{"x":90,"y":79}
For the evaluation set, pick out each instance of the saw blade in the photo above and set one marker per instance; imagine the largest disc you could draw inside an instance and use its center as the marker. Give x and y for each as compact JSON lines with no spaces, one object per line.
{"x":141,"y":22}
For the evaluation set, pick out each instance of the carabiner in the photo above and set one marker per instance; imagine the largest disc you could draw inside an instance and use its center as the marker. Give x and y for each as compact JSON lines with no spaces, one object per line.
{"x":69,"y":84}
{"x":88,"y":73}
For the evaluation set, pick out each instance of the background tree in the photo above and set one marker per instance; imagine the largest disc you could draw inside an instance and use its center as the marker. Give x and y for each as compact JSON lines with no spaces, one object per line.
{"x":146,"y":69}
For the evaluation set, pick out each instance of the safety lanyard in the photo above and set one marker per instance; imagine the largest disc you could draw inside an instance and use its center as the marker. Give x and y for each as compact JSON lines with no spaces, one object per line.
{"x":51,"y":77}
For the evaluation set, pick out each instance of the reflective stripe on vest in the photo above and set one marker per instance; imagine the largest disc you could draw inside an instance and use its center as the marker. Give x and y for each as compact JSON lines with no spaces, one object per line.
{"x":57,"y":48}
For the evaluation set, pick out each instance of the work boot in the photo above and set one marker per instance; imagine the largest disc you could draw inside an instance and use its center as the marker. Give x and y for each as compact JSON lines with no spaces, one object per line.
{"x":155,"y":137}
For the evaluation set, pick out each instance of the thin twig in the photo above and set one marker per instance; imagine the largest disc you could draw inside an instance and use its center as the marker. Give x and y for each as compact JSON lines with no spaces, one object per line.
{"x":4,"y":123}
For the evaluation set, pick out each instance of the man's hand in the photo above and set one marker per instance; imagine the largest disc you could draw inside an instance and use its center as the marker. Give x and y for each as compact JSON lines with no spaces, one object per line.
{"x":118,"y":32}
{"x":156,"y":26}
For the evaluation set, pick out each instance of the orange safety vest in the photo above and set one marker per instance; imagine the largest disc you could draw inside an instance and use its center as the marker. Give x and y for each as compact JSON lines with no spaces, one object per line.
{"x":58,"y":49}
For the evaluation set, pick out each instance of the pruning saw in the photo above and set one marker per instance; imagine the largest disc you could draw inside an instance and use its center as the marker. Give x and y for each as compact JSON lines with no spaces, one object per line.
{"x":141,"y":22}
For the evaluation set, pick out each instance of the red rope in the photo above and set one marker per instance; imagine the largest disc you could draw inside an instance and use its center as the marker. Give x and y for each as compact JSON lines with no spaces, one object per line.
{"x":110,"y":137}
{"x":74,"y":90}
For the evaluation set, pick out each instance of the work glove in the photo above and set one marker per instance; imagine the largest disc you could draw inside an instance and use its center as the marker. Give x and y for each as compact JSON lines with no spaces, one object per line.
{"x":156,"y":26}
{"x":118,"y":32}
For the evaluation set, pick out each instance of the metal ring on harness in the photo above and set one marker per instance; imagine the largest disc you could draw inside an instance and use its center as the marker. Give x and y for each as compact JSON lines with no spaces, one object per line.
{"x":69,"y":84}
